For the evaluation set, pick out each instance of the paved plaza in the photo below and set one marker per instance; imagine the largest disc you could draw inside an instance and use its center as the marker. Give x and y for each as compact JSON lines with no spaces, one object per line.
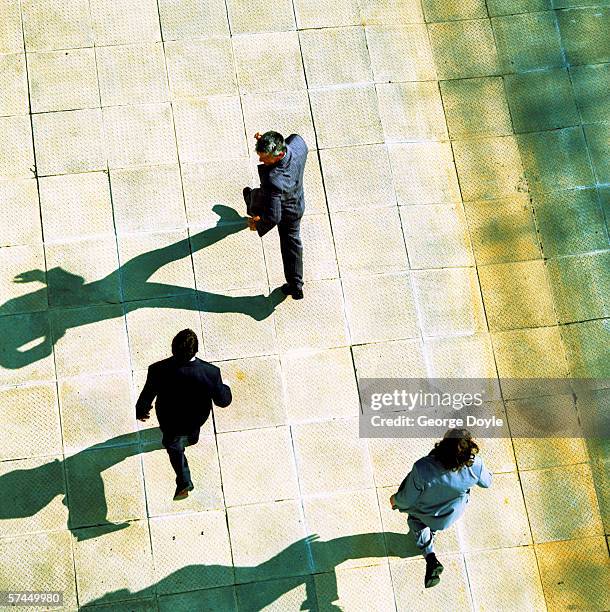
{"x":456,"y":226}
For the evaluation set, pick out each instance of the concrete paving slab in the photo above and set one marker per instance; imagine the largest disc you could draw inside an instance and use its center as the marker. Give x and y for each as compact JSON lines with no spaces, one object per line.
{"x":464,"y":49}
{"x":311,"y":382}
{"x":203,"y":539}
{"x":37,"y":435}
{"x":390,"y":12}
{"x":424,"y":173}
{"x":408,"y":580}
{"x":335,"y":55}
{"x":344,"y":516}
{"x":132,"y":74}
{"x":488,"y":113}
{"x":489,"y":168}
{"x":368,"y":171}
{"x":184,"y":19}
{"x":508,"y":291}
{"x":436,"y":236}
{"x":199,"y":68}
{"x":261,"y":69}
{"x":115,"y":23}
{"x":508,"y":580}
{"x":159,"y":479}
{"x":13,"y":84}
{"x":41,"y":561}
{"x":568,"y":510}
{"x":331,"y":458}
{"x":359,"y":125}
{"x":394,"y":359}
{"x":256,"y":386}
{"x":380,"y":307}
{"x":528,"y":41}
{"x":147,"y":198}
{"x":398,"y":53}
{"x":270,"y":478}
{"x":411,"y":111}
{"x":336,"y":14}
{"x":260,"y":16}
{"x":268,"y":541}
{"x":38,"y":505}
{"x":381,"y":233}
{"x":20,"y":213}
{"x":448,"y":302}
{"x":351,"y":588}
{"x":140,"y":135}
{"x":16,"y":155}
{"x":56,"y":24}
{"x":317,"y":238}
{"x":127,"y":556}
{"x":90,"y":410}
{"x":76,"y":206}
{"x":503,"y":230}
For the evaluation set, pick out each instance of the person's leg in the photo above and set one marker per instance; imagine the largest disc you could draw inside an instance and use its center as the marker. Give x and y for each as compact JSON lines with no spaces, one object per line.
{"x":422,"y":534}
{"x":174,"y":445}
{"x":424,"y":537}
{"x":292,"y":251}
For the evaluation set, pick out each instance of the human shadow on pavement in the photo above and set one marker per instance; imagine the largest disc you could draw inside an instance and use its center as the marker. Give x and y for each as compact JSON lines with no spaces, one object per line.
{"x":27,"y":491}
{"x":274,"y":577}
{"x":33,"y":336}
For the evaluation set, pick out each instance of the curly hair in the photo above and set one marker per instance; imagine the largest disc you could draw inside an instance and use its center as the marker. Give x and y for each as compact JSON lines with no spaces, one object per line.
{"x":456,"y":450}
{"x":185,"y":345}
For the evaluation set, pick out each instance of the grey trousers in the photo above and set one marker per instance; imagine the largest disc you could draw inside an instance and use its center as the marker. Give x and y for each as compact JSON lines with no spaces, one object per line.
{"x":289,"y":229}
{"x":424,"y":536}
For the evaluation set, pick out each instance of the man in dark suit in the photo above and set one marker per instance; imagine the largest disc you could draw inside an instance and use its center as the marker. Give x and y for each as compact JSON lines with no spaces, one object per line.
{"x":280,"y":200}
{"x":185,"y":388}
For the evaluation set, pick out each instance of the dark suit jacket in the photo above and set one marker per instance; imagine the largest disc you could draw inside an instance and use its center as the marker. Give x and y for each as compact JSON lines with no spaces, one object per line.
{"x":281,"y":191}
{"x":184,"y":392}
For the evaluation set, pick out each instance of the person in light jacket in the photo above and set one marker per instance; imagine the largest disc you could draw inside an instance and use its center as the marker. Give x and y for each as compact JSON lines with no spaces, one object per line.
{"x":436,"y":491}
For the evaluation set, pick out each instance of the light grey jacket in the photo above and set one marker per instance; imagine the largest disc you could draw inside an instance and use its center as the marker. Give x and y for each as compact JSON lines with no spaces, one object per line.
{"x":437,"y":496}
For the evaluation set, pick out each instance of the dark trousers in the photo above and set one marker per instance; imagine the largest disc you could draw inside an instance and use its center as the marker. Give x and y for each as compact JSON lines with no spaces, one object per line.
{"x":175,"y":445}
{"x":292,"y":251}
{"x":291,"y":246}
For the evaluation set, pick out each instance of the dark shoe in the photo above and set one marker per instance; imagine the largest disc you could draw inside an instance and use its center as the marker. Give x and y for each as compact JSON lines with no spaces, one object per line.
{"x":433,"y":571}
{"x":297,"y":294}
{"x":182,"y":492}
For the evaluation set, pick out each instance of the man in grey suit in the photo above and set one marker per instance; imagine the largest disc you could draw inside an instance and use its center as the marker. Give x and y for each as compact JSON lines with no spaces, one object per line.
{"x":436,"y":491}
{"x":280,"y":200}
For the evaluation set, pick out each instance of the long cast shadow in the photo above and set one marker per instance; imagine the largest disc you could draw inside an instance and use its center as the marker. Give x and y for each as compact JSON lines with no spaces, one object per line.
{"x":27,"y":491}
{"x":272,"y":578}
{"x":28,"y":341}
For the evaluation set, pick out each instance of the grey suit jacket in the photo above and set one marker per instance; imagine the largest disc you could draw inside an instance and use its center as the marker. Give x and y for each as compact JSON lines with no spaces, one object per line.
{"x":438,"y":496}
{"x":281,"y":192}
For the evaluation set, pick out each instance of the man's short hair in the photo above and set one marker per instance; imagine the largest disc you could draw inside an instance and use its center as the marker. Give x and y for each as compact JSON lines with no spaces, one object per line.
{"x":456,"y":450}
{"x":271,"y":143}
{"x":185,"y":345}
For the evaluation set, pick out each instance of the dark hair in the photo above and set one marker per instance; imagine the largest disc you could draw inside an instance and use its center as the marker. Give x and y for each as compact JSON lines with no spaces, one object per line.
{"x":271,"y":143}
{"x":456,"y":449}
{"x":185,"y":345}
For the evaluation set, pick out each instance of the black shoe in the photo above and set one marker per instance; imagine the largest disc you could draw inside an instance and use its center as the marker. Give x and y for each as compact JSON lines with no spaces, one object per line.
{"x":297,"y":294}
{"x":433,"y":571}
{"x":182,"y":492}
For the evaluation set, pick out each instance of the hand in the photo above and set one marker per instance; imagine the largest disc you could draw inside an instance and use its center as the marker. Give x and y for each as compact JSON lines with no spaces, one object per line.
{"x":30,"y":276}
{"x":257,"y":135}
{"x":392,"y":502}
{"x":144,"y":417}
{"x":252,"y":222}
